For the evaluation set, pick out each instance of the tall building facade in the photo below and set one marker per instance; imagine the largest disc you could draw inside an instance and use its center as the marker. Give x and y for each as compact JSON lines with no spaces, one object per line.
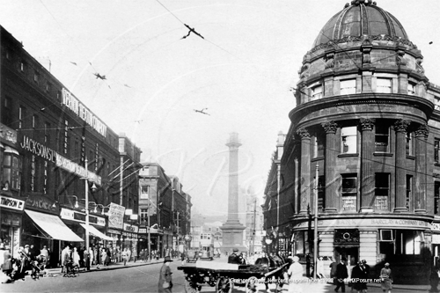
{"x":52,"y":149}
{"x":364,"y":144}
{"x":167,"y":208}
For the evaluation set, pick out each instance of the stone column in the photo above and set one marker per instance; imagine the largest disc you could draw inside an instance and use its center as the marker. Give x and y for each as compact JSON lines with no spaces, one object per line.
{"x":400,"y":127}
{"x":331,"y":181}
{"x":421,"y":180}
{"x":305,"y":171}
{"x":367,"y":174}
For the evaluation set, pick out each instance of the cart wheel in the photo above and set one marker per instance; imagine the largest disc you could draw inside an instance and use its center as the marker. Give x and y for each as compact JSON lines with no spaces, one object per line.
{"x":251,"y":285}
{"x":223,"y":285}
{"x":189,"y":288}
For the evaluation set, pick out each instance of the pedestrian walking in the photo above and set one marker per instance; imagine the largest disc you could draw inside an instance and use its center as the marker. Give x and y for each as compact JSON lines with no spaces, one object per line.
{"x":320,"y":268}
{"x":359,"y":278}
{"x":165,"y":280}
{"x":124,"y":255}
{"x":332,"y":267}
{"x":295,"y":274}
{"x":75,"y":257}
{"x":385,"y":278}
{"x":341,"y":274}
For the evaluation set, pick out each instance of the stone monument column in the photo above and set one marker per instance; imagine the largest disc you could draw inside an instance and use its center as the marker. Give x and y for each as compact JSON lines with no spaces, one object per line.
{"x":233,"y":229}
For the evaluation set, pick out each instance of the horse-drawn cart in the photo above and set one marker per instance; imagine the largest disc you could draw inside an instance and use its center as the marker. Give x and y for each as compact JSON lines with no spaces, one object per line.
{"x":225,"y":276}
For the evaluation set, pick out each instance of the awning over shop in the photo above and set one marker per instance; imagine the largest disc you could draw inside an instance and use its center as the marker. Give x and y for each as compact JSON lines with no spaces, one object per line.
{"x":53,"y":226}
{"x":97,"y":233}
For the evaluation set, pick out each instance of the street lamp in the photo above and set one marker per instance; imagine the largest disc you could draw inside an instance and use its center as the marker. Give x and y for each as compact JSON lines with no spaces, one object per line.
{"x":86,"y":180}
{"x":279,"y":155}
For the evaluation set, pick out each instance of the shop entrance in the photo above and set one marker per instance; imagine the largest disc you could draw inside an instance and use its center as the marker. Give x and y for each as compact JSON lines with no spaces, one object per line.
{"x":350,"y":253}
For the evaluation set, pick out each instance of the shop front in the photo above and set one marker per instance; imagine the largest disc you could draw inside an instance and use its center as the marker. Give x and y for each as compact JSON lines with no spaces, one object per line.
{"x":11,"y":210}
{"x":130,"y":238}
{"x":42,"y":226}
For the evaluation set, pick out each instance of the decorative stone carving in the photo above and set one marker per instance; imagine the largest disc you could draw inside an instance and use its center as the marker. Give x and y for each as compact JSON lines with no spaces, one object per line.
{"x":401,"y":125}
{"x":330,"y":127}
{"x":419,"y":67}
{"x":303,"y":133}
{"x":367,"y":124}
{"x":329,"y":60}
{"x":400,"y":61}
{"x":422,"y":131}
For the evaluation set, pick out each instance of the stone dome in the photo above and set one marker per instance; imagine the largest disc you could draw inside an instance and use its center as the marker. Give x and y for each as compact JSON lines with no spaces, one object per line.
{"x":360,"y":18}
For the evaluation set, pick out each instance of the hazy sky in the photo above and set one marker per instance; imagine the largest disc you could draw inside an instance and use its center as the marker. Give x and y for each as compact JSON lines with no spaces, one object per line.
{"x":241,"y":72}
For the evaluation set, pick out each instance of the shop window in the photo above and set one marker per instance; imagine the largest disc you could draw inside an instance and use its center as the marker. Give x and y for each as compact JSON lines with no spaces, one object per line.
{"x":386,"y":235}
{"x":349,"y":139}
{"x":11,"y":170}
{"x":383,"y":85}
{"x":409,"y":144}
{"x":436,"y":150}
{"x":382,"y":138}
{"x":316,"y":92}
{"x":436,"y":197}
{"x":348,"y":86}
{"x":409,"y":242}
{"x":409,"y":182}
{"x":386,"y":242}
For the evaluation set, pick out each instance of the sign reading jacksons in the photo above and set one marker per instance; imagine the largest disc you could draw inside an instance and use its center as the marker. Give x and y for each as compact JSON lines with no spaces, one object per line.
{"x":82,"y":112}
{"x":38,"y":149}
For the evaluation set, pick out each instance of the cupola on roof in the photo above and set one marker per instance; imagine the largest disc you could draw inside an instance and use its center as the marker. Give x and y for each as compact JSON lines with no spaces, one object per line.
{"x":361,"y":17}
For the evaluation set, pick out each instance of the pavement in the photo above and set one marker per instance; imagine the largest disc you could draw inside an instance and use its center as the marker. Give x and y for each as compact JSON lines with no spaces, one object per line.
{"x":55,"y":272}
{"x":317,"y":286}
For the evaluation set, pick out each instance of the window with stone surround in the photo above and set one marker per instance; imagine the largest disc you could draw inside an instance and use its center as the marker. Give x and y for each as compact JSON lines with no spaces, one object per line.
{"x":318,"y":146}
{"x":349,"y":192}
{"x":384,"y":85}
{"x":382,"y":137}
{"x":349,"y":140}
{"x":409,"y":144}
{"x":409,"y":183}
{"x":381,"y":191}
{"x":436,"y":150}
{"x":316,"y":92}
{"x":437,"y":103}
{"x":347,"y":86}
{"x":436,"y":197}
{"x":411,"y":88}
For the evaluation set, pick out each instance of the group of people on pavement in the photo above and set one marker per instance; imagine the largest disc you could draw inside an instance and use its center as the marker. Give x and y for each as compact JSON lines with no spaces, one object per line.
{"x":360,"y":275}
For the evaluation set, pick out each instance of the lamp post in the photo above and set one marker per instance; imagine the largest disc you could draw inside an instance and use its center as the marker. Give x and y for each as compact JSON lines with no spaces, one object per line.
{"x":149,"y":232}
{"x":86,"y":181}
{"x":279,"y":155}
{"x":315,"y":236}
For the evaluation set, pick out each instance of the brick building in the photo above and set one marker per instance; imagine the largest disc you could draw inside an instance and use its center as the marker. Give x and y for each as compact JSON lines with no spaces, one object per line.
{"x":367,"y":120}
{"x":46,"y":137}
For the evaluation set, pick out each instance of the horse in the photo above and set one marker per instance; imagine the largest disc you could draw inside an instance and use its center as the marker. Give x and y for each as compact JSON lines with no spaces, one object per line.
{"x":277,"y":266}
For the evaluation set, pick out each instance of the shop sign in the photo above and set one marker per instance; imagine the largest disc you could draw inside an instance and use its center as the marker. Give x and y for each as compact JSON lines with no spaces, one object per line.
{"x":42,"y":203}
{"x":10,"y":219}
{"x":66,"y":214}
{"x":81,"y":217}
{"x":71,"y":102}
{"x":116,"y":216}
{"x":38,"y":149}
{"x":11,"y":203}
{"x":72,"y":167}
{"x":142,"y":230}
{"x":435,"y":226}
{"x":98,"y":221}
{"x":131,"y":228}
{"x":374,"y":223}
{"x":8,"y":134}
{"x":346,"y":237}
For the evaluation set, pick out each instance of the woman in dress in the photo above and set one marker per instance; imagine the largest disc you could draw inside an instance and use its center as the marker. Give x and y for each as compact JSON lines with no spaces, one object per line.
{"x":386,"y":280}
{"x":75,"y":256}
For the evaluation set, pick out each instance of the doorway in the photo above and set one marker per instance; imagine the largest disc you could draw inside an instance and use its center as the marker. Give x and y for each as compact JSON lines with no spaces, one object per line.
{"x":350,"y":253}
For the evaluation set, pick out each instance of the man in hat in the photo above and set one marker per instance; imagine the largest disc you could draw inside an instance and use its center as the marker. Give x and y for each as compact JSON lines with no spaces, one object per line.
{"x":341,"y":274}
{"x":233,"y":257}
{"x":165,"y":280}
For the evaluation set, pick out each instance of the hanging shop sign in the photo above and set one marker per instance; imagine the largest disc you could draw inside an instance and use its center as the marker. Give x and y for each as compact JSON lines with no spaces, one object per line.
{"x":131,"y":228}
{"x":72,"y":167}
{"x":116,"y":216}
{"x":76,"y":216}
{"x":8,"y":134}
{"x":71,"y":102}
{"x":11,"y":203}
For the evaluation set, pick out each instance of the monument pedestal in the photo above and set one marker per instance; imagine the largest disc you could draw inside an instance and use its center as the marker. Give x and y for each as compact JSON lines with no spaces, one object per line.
{"x":232,"y":237}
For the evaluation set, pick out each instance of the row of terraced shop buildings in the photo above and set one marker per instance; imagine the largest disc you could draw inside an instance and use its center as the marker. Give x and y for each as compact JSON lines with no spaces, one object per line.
{"x":51,"y":147}
{"x":364,"y":146}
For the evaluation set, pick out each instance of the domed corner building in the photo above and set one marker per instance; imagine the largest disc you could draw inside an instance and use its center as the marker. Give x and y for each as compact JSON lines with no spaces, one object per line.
{"x":366,"y":122}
